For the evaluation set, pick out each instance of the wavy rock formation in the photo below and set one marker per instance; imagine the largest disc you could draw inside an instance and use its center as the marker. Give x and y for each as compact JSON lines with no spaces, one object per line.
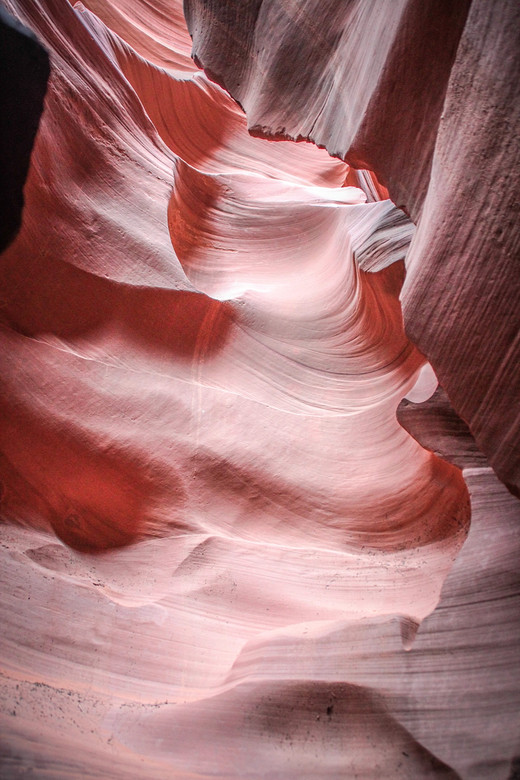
{"x":427,"y":95}
{"x":219,"y":543}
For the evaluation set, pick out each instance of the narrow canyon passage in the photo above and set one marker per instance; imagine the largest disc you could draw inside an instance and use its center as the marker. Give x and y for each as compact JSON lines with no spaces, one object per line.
{"x":222,"y":554}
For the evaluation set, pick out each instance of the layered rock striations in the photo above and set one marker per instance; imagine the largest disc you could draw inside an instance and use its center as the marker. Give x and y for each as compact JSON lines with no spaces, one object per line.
{"x":426,"y":95}
{"x":219,"y":543}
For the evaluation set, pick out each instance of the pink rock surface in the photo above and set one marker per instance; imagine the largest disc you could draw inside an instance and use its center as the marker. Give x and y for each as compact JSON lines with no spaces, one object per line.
{"x":426,"y":95}
{"x":219,"y":542}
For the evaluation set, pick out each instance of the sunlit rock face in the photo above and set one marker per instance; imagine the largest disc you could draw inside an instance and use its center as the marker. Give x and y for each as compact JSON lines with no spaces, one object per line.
{"x":223,"y":556}
{"x":427,"y":95}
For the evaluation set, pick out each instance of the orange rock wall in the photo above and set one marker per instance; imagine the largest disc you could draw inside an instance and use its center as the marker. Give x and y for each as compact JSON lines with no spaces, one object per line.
{"x":222,"y":555}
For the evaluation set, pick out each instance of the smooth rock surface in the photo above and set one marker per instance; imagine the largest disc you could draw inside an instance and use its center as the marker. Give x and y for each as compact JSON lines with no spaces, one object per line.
{"x":427,"y":95}
{"x":222,"y":555}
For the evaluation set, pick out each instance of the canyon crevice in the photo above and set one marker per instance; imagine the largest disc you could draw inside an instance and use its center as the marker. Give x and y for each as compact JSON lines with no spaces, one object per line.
{"x":259,"y":396}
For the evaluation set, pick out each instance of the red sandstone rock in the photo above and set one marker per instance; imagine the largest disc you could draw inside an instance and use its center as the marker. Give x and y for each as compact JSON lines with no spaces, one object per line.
{"x":203,"y":354}
{"x":426,"y":95}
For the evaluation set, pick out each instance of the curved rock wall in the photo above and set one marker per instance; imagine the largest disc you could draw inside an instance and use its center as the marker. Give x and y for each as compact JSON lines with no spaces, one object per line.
{"x":219,"y":543}
{"x":427,"y":95}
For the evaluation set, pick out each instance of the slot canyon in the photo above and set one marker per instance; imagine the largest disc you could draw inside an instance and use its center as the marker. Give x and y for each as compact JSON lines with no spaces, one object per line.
{"x":260,"y":389}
